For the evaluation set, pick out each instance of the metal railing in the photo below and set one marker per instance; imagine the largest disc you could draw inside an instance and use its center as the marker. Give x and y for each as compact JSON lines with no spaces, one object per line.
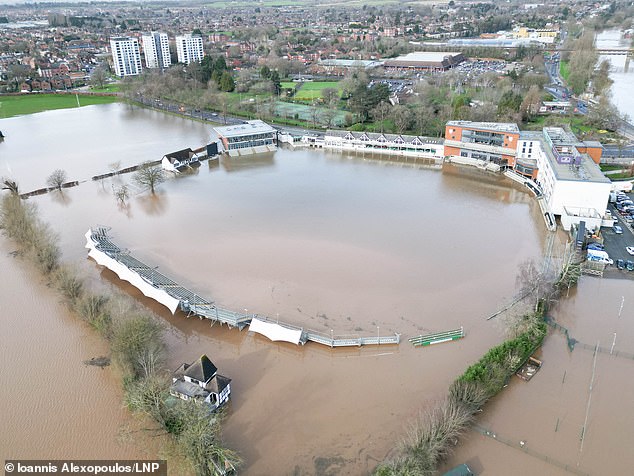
{"x":193,"y":304}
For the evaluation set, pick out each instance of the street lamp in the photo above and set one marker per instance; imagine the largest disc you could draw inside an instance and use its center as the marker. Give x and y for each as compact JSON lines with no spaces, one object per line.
{"x":378,"y":336}
{"x":246,"y":312}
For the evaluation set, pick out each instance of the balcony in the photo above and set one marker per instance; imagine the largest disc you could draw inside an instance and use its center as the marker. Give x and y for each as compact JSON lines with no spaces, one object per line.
{"x":480,"y":147}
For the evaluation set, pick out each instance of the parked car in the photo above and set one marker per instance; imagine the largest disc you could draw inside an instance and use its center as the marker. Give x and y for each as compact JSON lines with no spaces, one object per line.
{"x":596,"y":246}
{"x":630,"y":249}
{"x":620,"y":264}
{"x":629,"y":264}
{"x":617,"y":229}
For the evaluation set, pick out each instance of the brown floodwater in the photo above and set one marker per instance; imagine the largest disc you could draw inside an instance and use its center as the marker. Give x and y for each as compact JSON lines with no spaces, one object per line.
{"x":549,"y":412}
{"x":328,"y":242}
{"x":54,"y":406}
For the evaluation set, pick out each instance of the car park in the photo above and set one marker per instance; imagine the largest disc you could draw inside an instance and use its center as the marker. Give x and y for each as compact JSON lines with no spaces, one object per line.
{"x":620,"y":264}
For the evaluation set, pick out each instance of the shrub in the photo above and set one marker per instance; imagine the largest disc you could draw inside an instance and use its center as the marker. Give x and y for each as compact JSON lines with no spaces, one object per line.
{"x":94,"y":309}
{"x":137,"y":345}
{"x":69,"y":284}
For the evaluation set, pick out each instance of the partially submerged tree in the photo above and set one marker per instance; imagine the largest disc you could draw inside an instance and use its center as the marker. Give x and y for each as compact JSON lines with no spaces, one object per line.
{"x":121,"y":193}
{"x":56,"y":179}
{"x":149,"y":176}
{"x":10,"y":185}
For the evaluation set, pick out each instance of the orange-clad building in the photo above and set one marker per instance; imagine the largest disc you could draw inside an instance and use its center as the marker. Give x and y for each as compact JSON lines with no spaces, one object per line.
{"x":593,"y":148}
{"x":491,"y":141}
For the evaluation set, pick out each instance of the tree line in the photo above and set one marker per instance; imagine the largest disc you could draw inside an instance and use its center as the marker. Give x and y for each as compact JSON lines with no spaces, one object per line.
{"x":135,"y":339}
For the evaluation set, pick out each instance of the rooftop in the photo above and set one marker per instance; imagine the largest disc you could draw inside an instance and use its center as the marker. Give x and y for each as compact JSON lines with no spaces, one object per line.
{"x":348,"y":63}
{"x":374,"y":136}
{"x":202,"y":370}
{"x":425,"y":56}
{"x":487,"y":126}
{"x":250,"y":127}
{"x":584,"y":170}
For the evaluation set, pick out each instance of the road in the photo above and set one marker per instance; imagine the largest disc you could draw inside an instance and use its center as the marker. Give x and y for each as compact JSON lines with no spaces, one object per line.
{"x":561,"y":93}
{"x":214,"y":117}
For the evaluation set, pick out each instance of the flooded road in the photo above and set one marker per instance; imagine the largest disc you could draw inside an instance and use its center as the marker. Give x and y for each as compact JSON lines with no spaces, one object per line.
{"x":327,"y":242}
{"x":549,"y":413}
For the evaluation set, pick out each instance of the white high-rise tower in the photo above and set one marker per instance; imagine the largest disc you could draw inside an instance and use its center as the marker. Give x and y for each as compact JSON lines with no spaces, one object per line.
{"x":189,"y":48}
{"x":126,"y":56}
{"x":156,"y":47}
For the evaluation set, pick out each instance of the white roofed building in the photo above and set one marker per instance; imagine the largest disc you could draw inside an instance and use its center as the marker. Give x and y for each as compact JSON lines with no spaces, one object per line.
{"x":425,"y":61}
{"x":251,"y":137}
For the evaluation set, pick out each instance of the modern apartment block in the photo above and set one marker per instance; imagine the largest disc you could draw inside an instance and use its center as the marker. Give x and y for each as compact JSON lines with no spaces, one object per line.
{"x":126,"y":56}
{"x":189,"y":48}
{"x":156,"y":47}
{"x":490,"y":141}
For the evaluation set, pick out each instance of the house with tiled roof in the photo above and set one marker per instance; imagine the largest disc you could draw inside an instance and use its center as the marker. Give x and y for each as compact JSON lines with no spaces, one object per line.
{"x":201,"y":382}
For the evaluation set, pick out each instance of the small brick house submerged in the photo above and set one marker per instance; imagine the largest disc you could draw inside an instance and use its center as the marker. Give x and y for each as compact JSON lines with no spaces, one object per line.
{"x":200,"y":381}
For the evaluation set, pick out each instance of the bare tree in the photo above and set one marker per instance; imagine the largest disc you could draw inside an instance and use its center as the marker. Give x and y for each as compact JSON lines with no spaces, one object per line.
{"x":329,"y":115}
{"x":380,"y":112}
{"x":149,"y":176}
{"x":315,"y":114}
{"x":330,"y":95}
{"x":570,"y":270}
{"x":98,"y":77}
{"x":402,"y":118}
{"x":534,"y":283}
{"x":121,"y":193}
{"x":10,"y":185}
{"x":114,"y":166}
{"x":531,"y":103}
{"x":56,"y":179}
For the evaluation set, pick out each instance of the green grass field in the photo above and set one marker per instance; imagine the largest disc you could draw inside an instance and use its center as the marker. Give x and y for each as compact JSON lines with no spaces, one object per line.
{"x":288,"y":85}
{"x":108,"y":88}
{"x":28,"y":104}
{"x":564,"y":69}
{"x":312,"y":90}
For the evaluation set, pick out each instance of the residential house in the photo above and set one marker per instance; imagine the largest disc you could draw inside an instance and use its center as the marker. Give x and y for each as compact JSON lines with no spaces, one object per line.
{"x":201,"y":382}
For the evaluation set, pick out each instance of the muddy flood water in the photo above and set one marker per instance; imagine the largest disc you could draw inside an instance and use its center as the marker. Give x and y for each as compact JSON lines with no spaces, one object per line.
{"x":333,"y":243}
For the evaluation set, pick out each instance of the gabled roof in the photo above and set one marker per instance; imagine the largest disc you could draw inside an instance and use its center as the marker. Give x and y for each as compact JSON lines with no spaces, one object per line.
{"x":217,"y":384}
{"x":202,"y":370}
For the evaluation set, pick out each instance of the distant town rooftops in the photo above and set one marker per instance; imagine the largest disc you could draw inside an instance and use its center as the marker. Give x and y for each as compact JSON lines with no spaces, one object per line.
{"x":487,"y":126}
{"x":249,"y":128}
